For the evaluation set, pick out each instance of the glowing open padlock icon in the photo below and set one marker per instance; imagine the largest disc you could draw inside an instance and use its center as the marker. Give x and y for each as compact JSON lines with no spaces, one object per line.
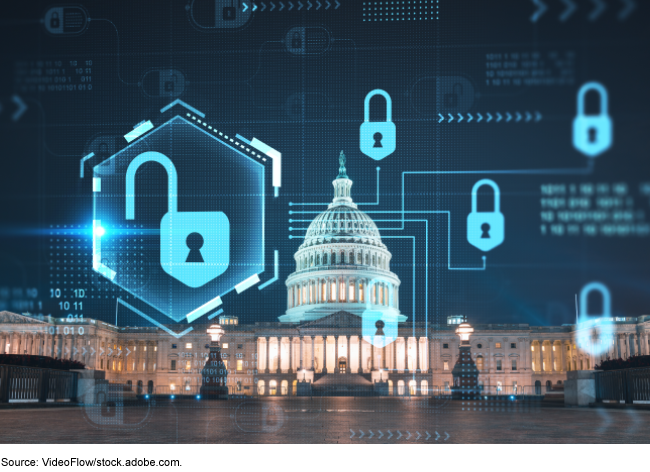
{"x":194,"y":246}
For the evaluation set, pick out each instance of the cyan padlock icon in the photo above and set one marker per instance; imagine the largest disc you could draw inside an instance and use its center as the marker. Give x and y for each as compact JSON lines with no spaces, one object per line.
{"x":592,"y":134}
{"x":584,"y":302}
{"x":194,"y":246}
{"x":486,"y":229}
{"x":378,"y":137}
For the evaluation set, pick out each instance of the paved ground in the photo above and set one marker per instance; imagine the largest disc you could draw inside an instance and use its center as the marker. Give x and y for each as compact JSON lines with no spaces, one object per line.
{"x":325,"y":420}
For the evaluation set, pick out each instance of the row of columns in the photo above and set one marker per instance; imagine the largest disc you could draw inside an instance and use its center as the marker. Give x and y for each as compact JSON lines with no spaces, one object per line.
{"x":337,"y":289}
{"x":326,"y":259}
{"x":301,"y":366}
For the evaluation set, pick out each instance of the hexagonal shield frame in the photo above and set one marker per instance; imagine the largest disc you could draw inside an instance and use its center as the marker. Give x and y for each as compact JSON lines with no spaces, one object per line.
{"x":212,"y":176}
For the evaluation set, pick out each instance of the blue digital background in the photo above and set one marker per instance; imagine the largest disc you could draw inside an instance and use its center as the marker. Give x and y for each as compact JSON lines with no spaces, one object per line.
{"x":309,"y":106}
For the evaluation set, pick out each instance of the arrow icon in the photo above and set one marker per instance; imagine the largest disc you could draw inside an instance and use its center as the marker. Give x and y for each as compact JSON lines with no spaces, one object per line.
{"x":281,"y":6}
{"x":400,"y":434}
{"x":254,"y":6}
{"x":328,"y":5}
{"x":528,"y":117}
{"x":300,"y":5}
{"x":442,"y":118}
{"x":499,"y":117}
{"x":419,"y":435}
{"x":272,"y":6}
{"x":263,"y":7}
{"x":352,"y":434}
{"x":489,"y":118}
{"x":290,"y":6}
{"x":541,"y":8}
{"x":480,"y":117}
{"x":518,"y":116}
{"x":570,"y":8}
{"x":447,"y":435}
{"x":110,"y":351}
{"x":371,"y":433}
{"x":245,"y":6}
{"x":337,"y":4}
{"x":318,"y":5}
{"x":380,"y":435}
{"x":470,"y":117}
{"x":75,"y":351}
{"x":630,"y":6}
{"x":361,"y":434}
{"x":451,"y":118}
{"x":83,"y":353}
{"x":67,"y":351}
{"x":509,"y":117}
{"x":428,"y":435}
{"x":58,"y":350}
{"x":538,"y":116}
{"x":390,"y":435}
{"x":127,"y":352}
{"x":437,"y":435}
{"x":310,"y":5}
{"x":92,"y":349}
{"x":21,"y":107}
{"x":409,"y":435}
{"x":460,"y":117}
{"x":600,"y":8}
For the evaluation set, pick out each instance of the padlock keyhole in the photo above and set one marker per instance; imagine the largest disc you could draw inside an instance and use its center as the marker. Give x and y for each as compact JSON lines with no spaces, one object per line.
{"x":377,"y":137}
{"x":592,"y":135}
{"x":195,"y":242}
{"x":485,"y":227}
{"x":380,"y":328}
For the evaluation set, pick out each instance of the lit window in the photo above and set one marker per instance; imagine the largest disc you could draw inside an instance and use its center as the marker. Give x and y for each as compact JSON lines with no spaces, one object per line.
{"x":188,"y":365}
{"x":188,"y":345}
{"x":135,"y":348}
{"x":497,"y":345}
{"x":154,"y":366}
{"x":145,"y":348}
{"x":445,"y":365}
{"x":155,"y":348}
{"x":225,"y":345}
{"x":240,"y":365}
{"x":543,"y":348}
{"x":554,"y":347}
{"x":532,"y":348}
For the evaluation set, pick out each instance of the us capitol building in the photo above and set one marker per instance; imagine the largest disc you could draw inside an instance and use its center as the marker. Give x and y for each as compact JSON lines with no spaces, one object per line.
{"x":342,"y":271}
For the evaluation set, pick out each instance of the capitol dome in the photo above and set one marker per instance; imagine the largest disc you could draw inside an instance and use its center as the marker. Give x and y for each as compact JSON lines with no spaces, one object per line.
{"x":342,"y":265}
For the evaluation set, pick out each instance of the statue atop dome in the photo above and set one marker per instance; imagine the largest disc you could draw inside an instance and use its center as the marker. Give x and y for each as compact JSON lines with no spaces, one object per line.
{"x":342,"y":171}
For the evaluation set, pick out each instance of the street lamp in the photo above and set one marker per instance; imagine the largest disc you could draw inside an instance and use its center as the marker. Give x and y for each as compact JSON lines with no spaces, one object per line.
{"x":464,"y":331}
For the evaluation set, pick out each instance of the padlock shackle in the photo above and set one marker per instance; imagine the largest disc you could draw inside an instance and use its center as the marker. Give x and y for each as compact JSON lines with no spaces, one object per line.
{"x":172,"y":181}
{"x":604,"y":292}
{"x":497,"y":194}
{"x":602,"y":93}
{"x":389,"y":104}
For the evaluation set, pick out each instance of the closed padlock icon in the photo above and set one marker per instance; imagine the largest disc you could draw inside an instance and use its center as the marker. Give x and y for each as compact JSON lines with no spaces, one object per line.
{"x":452,"y":99}
{"x":229,"y":13}
{"x":486,"y":229}
{"x":598,"y":339}
{"x":592,"y":134}
{"x":170,"y":84}
{"x":296,"y":40}
{"x":377,"y":138}
{"x":55,"y":21}
{"x":194,"y":246}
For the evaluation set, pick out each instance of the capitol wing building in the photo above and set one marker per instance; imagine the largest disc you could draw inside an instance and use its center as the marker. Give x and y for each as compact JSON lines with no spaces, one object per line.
{"x":342,"y":276}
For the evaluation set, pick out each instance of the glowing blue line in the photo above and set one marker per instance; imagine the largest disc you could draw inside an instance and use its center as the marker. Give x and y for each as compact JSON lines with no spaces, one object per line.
{"x":182,"y":103}
{"x":413,"y":238}
{"x":81,"y":164}
{"x":151,"y":320}
{"x":217,"y":313}
{"x":276,"y":272}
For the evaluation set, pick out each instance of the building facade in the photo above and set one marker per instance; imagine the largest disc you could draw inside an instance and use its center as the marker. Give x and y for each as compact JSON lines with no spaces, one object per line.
{"x":342,"y":273}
